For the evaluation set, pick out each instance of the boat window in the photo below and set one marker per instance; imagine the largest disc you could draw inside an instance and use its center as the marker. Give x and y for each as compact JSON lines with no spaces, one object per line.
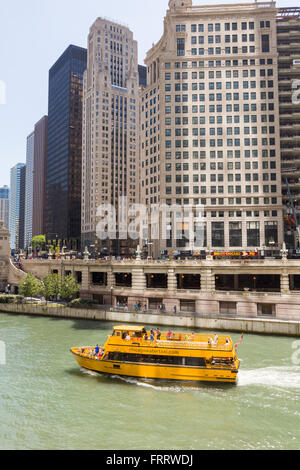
{"x":195,"y":361}
{"x":155,"y":359}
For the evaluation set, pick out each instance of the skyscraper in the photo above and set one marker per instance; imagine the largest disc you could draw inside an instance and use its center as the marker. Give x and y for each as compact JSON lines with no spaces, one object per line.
{"x":110,"y":129}
{"x":64,"y":154}
{"x":288,"y":38}
{"x":212,"y":144}
{"x":4,"y":205}
{"x":29,"y":190}
{"x":17,"y":206}
{"x":21,"y":245}
{"x":39,"y":177}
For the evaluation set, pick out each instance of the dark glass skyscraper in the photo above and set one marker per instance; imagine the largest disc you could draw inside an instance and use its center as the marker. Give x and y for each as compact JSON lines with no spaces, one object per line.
{"x":64,"y":154}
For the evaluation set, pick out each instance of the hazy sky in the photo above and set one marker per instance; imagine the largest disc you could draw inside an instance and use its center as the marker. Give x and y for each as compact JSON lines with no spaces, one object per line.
{"x":34,"y":33}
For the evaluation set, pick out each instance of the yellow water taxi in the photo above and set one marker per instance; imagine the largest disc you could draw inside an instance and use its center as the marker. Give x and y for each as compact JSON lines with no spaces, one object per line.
{"x":132,"y":351}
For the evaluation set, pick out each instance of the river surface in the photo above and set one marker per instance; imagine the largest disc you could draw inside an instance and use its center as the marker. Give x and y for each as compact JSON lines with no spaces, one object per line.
{"x":48,"y":402}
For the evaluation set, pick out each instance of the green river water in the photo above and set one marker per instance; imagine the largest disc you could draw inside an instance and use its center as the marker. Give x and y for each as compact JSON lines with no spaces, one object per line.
{"x":47,"y":402}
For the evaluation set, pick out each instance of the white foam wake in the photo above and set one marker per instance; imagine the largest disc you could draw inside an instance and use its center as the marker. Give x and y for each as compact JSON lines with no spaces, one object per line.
{"x":278,"y":377}
{"x":281,"y":377}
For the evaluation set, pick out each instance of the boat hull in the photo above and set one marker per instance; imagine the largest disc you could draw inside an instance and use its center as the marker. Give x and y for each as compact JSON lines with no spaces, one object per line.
{"x":161,"y":372}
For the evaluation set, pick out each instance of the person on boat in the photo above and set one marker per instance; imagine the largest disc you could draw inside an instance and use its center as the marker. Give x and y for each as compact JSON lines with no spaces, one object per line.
{"x":146,"y":337}
{"x":210,"y":342}
{"x":152,"y":336}
{"x":158,"y":334}
{"x":169,"y":335}
{"x":97,"y":350}
{"x":192,"y":337}
{"x":216,"y":340}
{"x":101,"y":352}
{"x":128,"y":337}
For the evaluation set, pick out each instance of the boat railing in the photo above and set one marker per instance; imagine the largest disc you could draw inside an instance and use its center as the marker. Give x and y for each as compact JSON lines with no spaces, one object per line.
{"x":178,"y":344}
{"x":194,"y":345}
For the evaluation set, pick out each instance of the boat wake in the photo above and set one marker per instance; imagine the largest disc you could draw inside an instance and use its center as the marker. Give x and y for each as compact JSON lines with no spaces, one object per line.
{"x":276,"y":377}
{"x":89,"y":372}
{"x":279,"y":377}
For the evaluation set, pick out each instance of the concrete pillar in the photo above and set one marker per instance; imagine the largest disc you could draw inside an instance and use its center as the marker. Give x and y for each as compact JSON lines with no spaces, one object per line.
{"x":172,"y":280}
{"x":138,"y":280}
{"x":85,"y":285}
{"x":285,"y":283}
{"x":208,"y":281}
{"x":292,"y":282}
{"x":111,"y":280}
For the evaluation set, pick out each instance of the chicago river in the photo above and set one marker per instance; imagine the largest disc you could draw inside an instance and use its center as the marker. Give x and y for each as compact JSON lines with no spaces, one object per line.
{"x":48,"y":403}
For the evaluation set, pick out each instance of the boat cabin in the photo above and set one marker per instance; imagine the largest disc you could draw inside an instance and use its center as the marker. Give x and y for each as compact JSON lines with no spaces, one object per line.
{"x":128,"y":330}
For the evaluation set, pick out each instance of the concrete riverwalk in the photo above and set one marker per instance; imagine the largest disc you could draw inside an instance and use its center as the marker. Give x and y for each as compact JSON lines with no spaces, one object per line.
{"x":266,"y":326}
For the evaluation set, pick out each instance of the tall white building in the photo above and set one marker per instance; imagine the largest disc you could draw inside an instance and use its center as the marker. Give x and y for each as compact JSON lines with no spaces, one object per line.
{"x":16,"y":206}
{"x":110,"y":128}
{"x":4,"y":205}
{"x":210,"y":127}
{"x":29,"y":190}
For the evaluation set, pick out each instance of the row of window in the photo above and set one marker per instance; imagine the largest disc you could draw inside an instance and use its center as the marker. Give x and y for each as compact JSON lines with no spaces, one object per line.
{"x":219,"y":119}
{"x":149,"y":359}
{"x":265,"y":47}
{"x":236,"y":108}
{"x":218,"y":63}
{"x":222,"y":97}
{"x":214,"y":166}
{"x":255,"y":189}
{"x":219,"y":50}
{"x":219,"y":131}
{"x":235,"y":233}
{"x":214,"y":201}
{"x":219,"y":86}
{"x":231,"y":201}
{"x":218,"y":39}
{"x":220,"y":177}
{"x":202,"y":143}
{"x":201,"y":28}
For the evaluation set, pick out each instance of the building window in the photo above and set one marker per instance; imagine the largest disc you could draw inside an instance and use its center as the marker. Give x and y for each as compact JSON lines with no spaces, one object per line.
{"x":253,"y":234}
{"x":235,"y":234}
{"x":271,"y":233}
{"x":218,"y":240}
{"x":180,"y":47}
{"x":265,"y":42}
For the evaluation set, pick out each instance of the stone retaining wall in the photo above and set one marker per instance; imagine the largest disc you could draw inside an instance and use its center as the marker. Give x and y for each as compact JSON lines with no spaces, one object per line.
{"x":260,"y":326}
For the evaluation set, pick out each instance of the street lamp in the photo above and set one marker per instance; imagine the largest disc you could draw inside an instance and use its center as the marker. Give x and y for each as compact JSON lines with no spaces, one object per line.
{"x":149,"y":243}
{"x":111,"y":295}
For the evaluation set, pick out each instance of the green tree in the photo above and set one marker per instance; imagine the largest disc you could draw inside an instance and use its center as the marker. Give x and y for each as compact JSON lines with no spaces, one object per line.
{"x":38,"y":242}
{"x":30,"y":286}
{"x":51,"y":285}
{"x":69,"y":288}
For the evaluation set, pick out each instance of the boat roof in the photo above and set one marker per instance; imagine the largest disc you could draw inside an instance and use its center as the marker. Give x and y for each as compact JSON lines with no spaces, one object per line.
{"x":128,"y":328}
